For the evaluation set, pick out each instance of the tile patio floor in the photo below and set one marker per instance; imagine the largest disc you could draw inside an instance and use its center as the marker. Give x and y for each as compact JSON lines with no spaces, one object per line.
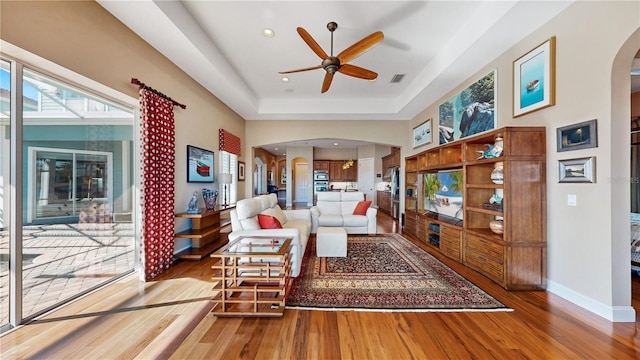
{"x":61,"y":260}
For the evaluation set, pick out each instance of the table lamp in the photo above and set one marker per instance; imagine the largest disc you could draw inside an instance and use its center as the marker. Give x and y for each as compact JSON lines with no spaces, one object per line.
{"x":225,"y":179}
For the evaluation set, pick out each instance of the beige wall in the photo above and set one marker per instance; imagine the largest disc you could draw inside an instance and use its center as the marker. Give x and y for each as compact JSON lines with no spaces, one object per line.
{"x":588,"y":248}
{"x":588,"y":251}
{"x":85,"y":38}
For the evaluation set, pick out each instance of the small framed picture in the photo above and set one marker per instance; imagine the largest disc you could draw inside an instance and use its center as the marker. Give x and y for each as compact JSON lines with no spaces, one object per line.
{"x":240,"y":170}
{"x":199,"y":165}
{"x":534,"y":83}
{"x":422,"y":134}
{"x":583,"y":135}
{"x":577,"y":170}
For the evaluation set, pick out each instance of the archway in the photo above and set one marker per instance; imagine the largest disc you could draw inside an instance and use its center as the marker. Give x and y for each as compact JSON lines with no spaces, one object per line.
{"x":620,"y":195}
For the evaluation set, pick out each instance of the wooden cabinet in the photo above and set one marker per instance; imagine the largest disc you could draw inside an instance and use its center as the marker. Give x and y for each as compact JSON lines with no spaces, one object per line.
{"x":321,"y":165}
{"x":451,"y":241}
{"x":351,"y":174}
{"x":204,"y":233}
{"x":391,"y":160}
{"x":515,"y":259}
{"x":335,"y":170}
{"x":384,"y":201}
{"x":337,"y":173}
{"x":412,"y":185}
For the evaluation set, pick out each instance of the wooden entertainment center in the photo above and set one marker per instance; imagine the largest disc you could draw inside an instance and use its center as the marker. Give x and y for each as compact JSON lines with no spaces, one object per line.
{"x":516,"y":258}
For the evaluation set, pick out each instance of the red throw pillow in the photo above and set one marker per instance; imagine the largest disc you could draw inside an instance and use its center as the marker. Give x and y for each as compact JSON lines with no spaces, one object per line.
{"x":269,"y":222}
{"x":361,"y":208}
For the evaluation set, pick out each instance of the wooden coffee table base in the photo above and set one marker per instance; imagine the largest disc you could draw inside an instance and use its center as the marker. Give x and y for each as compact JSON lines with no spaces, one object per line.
{"x":248,"y":286}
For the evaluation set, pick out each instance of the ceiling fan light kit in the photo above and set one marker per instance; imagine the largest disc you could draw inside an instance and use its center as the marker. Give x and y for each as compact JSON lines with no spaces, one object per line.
{"x":332,"y":64}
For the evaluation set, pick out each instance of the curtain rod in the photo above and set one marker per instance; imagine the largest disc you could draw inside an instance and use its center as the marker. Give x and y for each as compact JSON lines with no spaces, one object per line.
{"x":142,"y":85}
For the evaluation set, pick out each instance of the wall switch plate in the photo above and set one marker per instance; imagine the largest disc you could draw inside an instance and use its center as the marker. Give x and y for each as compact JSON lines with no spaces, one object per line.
{"x":572,"y":200}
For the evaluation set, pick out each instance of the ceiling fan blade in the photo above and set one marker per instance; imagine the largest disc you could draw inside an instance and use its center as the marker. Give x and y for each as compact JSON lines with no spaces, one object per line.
{"x":312,"y":43}
{"x":327,"y":82}
{"x":360,"y":47}
{"x":357,"y":71}
{"x":299,"y":70}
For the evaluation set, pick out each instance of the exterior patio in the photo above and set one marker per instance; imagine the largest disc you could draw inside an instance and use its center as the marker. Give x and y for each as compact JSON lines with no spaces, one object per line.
{"x":63,"y":260}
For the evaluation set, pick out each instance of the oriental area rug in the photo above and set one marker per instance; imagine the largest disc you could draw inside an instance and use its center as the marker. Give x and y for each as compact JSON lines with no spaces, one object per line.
{"x":385,"y":272}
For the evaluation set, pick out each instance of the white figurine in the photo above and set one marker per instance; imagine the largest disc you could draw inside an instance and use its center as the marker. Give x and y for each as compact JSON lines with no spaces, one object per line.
{"x":193,"y":203}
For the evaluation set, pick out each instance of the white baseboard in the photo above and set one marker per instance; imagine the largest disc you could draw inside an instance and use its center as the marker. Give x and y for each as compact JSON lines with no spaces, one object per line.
{"x":611,"y":313}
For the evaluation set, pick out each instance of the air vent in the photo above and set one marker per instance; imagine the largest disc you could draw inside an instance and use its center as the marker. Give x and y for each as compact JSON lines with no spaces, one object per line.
{"x":397,"y":78}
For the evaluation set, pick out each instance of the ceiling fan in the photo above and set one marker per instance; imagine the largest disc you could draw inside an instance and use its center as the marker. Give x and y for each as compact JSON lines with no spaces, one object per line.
{"x":332,"y":64}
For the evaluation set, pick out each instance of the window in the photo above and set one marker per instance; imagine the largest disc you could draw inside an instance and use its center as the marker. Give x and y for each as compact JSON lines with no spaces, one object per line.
{"x":229,"y":165}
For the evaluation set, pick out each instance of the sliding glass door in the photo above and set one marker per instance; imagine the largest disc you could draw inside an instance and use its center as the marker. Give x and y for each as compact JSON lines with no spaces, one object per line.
{"x":74,"y":154}
{"x":67,"y":183}
{"x":5,"y":205}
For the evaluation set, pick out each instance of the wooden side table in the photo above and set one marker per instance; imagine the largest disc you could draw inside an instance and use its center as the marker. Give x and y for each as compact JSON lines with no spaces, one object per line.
{"x":252,"y":277}
{"x":204,"y":233}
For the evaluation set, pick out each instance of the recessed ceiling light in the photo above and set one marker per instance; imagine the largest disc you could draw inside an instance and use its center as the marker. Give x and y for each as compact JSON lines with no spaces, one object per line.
{"x":335,"y":144}
{"x":268,"y":33}
{"x":285,"y":79}
{"x":276,"y":149}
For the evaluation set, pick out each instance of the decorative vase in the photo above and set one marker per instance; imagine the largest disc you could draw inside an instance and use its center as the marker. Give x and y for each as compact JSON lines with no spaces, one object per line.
{"x":498,"y":146}
{"x":497,"y":226}
{"x":210,"y":198}
{"x":497,"y":175}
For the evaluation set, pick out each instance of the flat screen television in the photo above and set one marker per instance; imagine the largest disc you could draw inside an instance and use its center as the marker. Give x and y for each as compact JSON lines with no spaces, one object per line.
{"x":443,"y":193}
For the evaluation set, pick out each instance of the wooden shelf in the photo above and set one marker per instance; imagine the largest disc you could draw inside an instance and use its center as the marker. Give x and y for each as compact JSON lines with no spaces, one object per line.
{"x":205,"y":232}
{"x":516,"y":259}
{"x":199,"y":253}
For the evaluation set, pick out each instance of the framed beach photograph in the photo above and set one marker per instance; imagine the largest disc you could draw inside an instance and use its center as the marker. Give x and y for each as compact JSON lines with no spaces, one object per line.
{"x":422,"y":134}
{"x":240,"y":170}
{"x":534,"y":77}
{"x":469,"y":112}
{"x":577,"y":170}
{"x":199,"y":165}
{"x":583,"y":135}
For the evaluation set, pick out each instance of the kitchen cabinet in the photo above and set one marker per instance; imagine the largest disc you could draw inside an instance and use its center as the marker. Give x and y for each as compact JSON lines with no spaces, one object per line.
{"x":391,"y":160}
{"x":384,"y":201}
{"x":335,"y":170}
{"x":351,"y":174}
{"x":337,"y":173}
{"x":321,"y":165}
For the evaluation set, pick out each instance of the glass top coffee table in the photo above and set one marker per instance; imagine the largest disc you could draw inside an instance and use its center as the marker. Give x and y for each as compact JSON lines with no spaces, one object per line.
{"x":252,"y":276}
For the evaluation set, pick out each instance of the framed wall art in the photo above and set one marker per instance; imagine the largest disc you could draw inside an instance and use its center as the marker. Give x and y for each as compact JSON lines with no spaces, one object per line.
{"x":583,"y":135}
{"x":469,"y":112}
{"x":534,"y":77}
{"x":199,"y":165}
{"x":422,"y":134}
{"x":241,"y":171}
{"x":577,"y":170}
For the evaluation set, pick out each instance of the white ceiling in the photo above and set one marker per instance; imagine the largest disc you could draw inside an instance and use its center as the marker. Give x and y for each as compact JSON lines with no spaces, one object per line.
{"x":437,"y":44}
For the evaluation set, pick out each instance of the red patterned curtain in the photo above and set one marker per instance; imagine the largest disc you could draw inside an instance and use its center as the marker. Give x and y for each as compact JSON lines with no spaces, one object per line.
{"x":158,"y":168}
{"x":229,"y":142}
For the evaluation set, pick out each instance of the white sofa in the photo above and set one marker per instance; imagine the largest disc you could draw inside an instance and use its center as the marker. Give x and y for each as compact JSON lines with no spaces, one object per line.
{"x":335,"y":209}
{"x":296,"y":224}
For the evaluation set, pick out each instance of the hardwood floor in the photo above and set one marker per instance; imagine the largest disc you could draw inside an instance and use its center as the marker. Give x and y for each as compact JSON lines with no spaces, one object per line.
{"x":170,"y":318}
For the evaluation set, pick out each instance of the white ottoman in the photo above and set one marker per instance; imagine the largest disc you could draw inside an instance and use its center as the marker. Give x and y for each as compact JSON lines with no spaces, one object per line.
{"x":331,"y":242}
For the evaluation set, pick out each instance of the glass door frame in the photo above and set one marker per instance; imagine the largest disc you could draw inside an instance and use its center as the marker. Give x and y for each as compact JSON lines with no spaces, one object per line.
{"x":31,"y":177}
